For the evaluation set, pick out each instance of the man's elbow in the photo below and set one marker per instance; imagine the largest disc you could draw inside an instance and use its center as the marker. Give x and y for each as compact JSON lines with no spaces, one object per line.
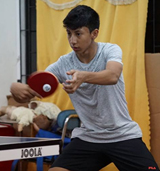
{"x":114,"y":80}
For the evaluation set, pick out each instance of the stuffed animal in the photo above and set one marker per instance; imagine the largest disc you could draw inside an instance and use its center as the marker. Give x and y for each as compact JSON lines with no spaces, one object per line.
{"x":48,"y":109}
{"x":43,"y":114}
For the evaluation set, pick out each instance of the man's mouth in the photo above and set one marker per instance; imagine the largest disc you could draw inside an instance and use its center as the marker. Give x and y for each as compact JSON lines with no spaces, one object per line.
{"x":75,"y":48}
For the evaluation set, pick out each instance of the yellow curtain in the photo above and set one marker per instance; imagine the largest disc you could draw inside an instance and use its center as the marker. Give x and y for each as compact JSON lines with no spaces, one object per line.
{"x":124,"y":25}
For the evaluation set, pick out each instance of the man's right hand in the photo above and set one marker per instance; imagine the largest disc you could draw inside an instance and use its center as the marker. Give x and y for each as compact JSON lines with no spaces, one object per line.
{"x":22,"y":93}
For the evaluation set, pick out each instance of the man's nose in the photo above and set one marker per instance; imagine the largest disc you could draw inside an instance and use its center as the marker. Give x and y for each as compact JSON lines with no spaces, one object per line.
{"x":73,"y":39}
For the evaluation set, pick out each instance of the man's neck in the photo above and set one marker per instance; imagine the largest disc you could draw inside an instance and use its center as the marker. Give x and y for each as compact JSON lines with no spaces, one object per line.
{"x":89,"y":54}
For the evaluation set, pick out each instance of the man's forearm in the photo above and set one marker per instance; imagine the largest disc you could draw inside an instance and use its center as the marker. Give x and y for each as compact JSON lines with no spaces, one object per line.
{"x":105,"y":77}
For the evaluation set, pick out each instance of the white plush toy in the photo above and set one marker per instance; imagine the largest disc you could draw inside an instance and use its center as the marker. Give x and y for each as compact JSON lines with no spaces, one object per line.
{"x":48,"y":109}
{"x":41,"y":113}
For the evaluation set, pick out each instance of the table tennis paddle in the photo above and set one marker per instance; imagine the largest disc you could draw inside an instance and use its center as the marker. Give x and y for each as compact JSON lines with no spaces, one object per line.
{"x":43,"y":82}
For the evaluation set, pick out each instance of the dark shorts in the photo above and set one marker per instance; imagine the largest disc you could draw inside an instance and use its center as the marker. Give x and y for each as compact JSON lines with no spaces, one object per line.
{"x":129,"y":155}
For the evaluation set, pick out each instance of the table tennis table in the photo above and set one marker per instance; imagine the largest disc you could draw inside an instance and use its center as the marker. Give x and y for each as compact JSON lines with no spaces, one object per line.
{"x":12,"y":148}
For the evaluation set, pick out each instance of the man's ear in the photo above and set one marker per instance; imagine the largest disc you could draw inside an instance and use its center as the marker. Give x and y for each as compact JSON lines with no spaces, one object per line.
{"x":94,"y":33}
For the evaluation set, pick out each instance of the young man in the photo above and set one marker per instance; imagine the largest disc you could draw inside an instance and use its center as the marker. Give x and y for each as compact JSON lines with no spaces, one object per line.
{"x":92,"y":76}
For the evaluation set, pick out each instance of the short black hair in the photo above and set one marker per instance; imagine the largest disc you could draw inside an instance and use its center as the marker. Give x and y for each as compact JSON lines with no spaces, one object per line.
{"x":82,"y":16}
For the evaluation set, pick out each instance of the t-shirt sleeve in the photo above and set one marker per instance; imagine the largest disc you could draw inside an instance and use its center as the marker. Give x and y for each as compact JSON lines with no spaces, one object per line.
{"x":55,"y":69}
{"x":114,"y":53}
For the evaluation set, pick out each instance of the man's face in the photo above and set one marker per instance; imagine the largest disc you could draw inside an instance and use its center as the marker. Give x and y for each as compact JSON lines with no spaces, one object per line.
{"x":80,"y":39}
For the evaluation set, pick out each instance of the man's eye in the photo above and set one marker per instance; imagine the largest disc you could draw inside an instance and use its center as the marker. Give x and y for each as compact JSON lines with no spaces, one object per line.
{"x":68,"y":33}
{"x":78,"y":34}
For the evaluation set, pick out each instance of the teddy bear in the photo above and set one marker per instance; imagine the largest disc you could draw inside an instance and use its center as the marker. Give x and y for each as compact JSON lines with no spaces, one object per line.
{"x":43,"y":114}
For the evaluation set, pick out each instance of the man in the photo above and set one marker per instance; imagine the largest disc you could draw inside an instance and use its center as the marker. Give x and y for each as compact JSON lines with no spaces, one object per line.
{"x":92,"y":76}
